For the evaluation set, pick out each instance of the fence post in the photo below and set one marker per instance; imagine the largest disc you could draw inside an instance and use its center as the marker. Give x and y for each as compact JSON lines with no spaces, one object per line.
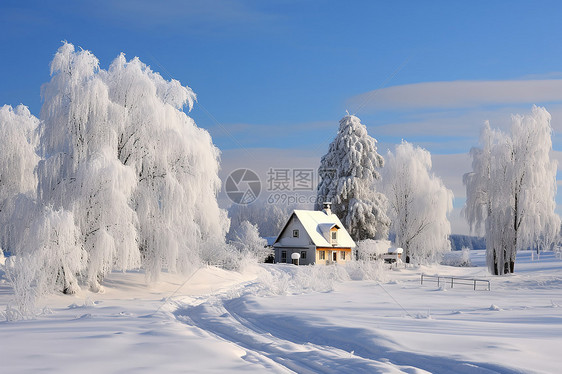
{"x":422,"y":279}
{"x":475,"y":285}
{"x":452,"y":279}
{"x":437,"y":281}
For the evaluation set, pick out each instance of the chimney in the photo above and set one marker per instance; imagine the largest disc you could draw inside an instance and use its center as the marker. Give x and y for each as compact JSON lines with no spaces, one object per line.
{"x":326,"y":208}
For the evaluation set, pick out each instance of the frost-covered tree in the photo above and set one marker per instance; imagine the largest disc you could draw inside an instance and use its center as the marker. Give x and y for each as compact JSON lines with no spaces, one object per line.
{"x":53,"y":258}
{"x":269,"y":218}
{"x":511,"y":190}
{"x":418,"y":204}
{"x":478,"y":204}
{"x":126,"y":178}
{"x":349,"y":171}
{"x":18,"y":159}
{"x":80,"y":171}
{"x":247,"y":239}
{"x":175,"y":164}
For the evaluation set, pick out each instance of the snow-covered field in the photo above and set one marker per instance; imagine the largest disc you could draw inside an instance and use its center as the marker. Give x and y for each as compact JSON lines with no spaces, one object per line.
{"x":282,"y":318}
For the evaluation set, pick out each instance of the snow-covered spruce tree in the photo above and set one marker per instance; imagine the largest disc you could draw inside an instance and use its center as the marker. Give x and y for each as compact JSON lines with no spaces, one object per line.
{"x":18,"y":159}
{"x":349,"y":171}
{"x":512,"y":188}
{"x":176,"y":168}
{"x":418,"y":204}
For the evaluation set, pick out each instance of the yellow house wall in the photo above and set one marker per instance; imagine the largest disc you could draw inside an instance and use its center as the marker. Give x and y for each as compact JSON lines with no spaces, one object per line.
{"x":328,"y":253}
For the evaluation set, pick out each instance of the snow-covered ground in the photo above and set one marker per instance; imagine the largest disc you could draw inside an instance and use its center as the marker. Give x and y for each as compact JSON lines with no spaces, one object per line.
{"x":282,"y":318}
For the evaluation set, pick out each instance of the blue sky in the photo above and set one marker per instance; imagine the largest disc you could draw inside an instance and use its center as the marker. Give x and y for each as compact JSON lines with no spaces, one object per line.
{"x":274,"y":77}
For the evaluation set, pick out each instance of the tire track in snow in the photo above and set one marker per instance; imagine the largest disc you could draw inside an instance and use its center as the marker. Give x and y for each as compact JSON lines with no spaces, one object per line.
{"x":276,"y":354}
{"x":365,"y":344}
{"x":288,"y":344}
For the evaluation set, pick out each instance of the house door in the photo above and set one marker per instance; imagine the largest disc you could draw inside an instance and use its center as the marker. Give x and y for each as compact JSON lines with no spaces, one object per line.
{"x":335,"y":256}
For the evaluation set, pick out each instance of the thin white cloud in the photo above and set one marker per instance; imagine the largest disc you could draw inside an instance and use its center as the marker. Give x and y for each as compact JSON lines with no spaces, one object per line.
{"x":453,"y":131}
{"x":459,"y":94}
{"x":447,"y":123}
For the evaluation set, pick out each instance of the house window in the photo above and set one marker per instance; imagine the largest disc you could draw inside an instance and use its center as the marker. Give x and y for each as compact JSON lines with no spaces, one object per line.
{"x":342,"y":255}
{"x":321,"y":255}
{"x":283,"y":256}
{"x":334,"y":236}
{"x":295,"y":233}
{"x":303,"y":255}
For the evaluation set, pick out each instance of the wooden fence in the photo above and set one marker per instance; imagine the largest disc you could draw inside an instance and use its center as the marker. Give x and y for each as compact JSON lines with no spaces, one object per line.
{"x":452,"y":281}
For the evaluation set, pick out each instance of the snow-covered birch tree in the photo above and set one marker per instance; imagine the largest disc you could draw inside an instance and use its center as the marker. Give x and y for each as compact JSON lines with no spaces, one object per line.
{"x":418,"y":204}
{"x":478,"y":204}
{"x":349,"y":171}
{"x":80,"y":172}
{"x":123,"y":170}
{"x":511,"y":190}
{"x":53,"y":258}
{"x":18,"y":159}
{"x":176,"y":167}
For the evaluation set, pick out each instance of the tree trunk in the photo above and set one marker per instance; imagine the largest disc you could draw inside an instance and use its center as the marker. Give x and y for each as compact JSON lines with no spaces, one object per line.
{"x":508,"y":266}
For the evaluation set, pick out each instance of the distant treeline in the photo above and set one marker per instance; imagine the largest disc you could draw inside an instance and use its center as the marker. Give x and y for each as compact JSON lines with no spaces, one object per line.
{"x":458,"y":242}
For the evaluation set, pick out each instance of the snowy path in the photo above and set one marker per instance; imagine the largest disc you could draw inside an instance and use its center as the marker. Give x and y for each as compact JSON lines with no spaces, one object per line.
{"x":266,"y":346}
{"x":293,"y":346}
{"x":295,"y":342}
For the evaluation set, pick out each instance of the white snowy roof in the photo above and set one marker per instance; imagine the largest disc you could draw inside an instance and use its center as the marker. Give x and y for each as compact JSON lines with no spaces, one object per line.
{"x":318,"y":225}
{"x":375,"y":246}
{"x":378,"y":247}
{"x":395,"y":250}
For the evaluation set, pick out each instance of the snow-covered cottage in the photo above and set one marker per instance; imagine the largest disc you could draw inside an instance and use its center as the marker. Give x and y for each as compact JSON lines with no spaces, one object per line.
{"x":318,"y":237}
